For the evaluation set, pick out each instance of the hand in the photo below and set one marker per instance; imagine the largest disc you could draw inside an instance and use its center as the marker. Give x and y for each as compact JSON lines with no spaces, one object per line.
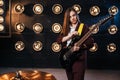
{"x":76,"y":48}
{"x":74,"y":33}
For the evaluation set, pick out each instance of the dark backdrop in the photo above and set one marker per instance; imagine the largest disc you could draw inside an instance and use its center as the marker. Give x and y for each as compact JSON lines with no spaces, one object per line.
{"x":46,"y":58}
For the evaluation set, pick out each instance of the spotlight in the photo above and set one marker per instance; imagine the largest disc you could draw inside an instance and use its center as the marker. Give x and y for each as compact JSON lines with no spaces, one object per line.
{"x":1,"y":2}
{"x":57,"y":8}
{"x":94,"y":48}
{"x":56,"y":27}
{"x":95,"y":31}
{"x":19,"y":46}
{"x":111,"y":47}
{"x":113,"y":10}
{"x":1,"y":27}
{"x":19,"y":8}
{"x":1,"y":11}
{"x":56,"y":47}
{"x":37,"y":46}
{"x":19,"y":27}
{"x":77,"y":8}
{"x":95,"y":10}
{"x":1,"y":19}
{"x":37,"y":28}
{"x":112,"y":29}
{"x":37,"y":8}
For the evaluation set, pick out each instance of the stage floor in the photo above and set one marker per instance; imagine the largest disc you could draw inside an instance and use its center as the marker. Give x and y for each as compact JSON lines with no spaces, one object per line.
{"x":60,"y":74}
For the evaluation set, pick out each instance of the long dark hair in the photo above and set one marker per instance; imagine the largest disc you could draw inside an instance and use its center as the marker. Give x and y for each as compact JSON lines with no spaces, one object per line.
{"x":66,"y":22}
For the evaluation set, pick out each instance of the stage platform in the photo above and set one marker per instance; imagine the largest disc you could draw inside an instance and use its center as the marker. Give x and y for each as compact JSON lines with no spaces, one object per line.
{"x":59,"y":73}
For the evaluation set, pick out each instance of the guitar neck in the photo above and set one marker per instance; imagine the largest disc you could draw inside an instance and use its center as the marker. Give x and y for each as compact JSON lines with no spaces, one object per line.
{"x":80,"y":42}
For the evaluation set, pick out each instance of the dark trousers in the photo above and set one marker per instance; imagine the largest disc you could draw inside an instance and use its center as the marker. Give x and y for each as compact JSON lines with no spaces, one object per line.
{"x":78,"y":70}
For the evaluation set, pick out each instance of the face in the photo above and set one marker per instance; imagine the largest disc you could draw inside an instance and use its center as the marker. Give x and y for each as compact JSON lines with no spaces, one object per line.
{"x":73,"y":17}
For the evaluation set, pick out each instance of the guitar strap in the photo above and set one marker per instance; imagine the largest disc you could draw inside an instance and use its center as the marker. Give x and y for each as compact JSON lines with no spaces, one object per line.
{"x":80,"y":28}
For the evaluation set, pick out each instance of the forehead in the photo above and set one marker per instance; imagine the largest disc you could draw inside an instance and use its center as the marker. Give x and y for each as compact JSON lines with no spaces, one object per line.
{"x":72,"y":13}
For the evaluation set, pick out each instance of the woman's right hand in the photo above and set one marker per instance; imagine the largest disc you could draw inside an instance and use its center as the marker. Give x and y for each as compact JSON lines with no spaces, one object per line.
{"x":74,"y":33}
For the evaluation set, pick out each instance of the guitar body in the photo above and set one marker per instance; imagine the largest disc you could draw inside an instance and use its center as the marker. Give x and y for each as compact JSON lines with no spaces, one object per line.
{"x":65,"y":63}
{"x":67,"y":56}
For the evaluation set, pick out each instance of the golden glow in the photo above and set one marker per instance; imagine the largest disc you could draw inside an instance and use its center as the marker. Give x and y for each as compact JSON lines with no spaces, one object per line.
{"x":95,"y":10}
{"x":1,"y":19}
{"x":37,"y":46}
{"x":111,"y":47}
{"x":1,"y":27}
{"x":56,"y":47}
{"x":37,"y":28}
{"x":77,"y":8}
{"x":19,"y":45}
{"x":38,"y":8}
{"x":113,"y":29}
{"x":27,"y":75}
{"x":95,"y":31}
{"x":19,"y":8}
{"x":113,"y":10}
{"x":94,"y":48}
{"x":56,"y":27}
{"x":1,"y":11}
{"x":57,"y":8}
{"x":19,"y":27}
{"x":1,"y":2}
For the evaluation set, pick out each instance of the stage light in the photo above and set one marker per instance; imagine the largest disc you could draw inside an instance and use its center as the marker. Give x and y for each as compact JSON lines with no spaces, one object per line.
{"x":19,"y":8}
{"x":111,"y":47}
{"x":56,"y":47}
{"x":19,"y":27}
{"x":57,"y":8}
{"x":37,"y":28}
{"x":94,"y":48}
{"x":1,"y":27}
{"x":113,"y":10}
{"x":1,"y":11}
{"x":1,"y":2}
{"x":112,"y":29}
{"x":95,"y":10}
{"x":37,"y":46}
{"x":1,"y":19}
{"x":56,"y":27}
{"x":37,"y":8}
{"x":77,"y":8}
{"x":95,"y":31}
{"x":19,"y":46}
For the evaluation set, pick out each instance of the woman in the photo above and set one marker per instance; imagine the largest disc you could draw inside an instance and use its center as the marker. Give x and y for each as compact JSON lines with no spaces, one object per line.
{"x":71,"y":28}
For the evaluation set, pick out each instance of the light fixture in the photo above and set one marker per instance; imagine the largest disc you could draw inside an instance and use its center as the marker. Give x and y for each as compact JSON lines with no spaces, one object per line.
{"x":56,"y":47}
{"x":56,"y":27}
{"x":37,"y":8}
{"x":1,"y":11}
{"x":113,"y":10}
{"x":1,"y":27}
{"x":19,"y":27}
{"x":57,"y":8}
{"x":19,"y":45}
{"x":37,"y":46}
{"x":1,"y":19}
{"x":19,"y":8}
{"x":77,"y":8}
{"x":112,"y":29}
{"x":94,"y":48}
{"x":37,"y":28}
{"x":95,"y":31}
{"x":111,"y":47}
{"x":94,"y":11}
{"x":1,"y":2}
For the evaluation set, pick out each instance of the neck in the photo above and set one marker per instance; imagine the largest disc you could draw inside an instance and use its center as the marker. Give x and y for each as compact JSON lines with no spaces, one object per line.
{"x":74,"y":25}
